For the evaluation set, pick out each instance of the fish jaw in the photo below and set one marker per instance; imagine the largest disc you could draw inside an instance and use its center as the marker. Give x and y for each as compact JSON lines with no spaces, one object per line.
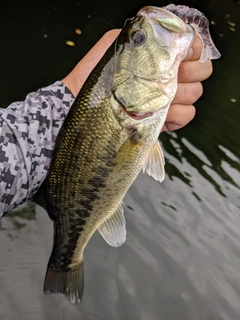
{"x":200,"y":23}
{"x":145,"y":74}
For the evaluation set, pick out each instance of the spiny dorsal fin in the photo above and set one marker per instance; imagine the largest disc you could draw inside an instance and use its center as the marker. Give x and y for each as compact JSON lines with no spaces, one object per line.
{"x":155,"y":162}
{"x":113,"y":230}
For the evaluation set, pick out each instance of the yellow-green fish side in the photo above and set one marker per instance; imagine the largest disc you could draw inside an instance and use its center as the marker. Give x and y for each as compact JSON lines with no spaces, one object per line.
{"x":95,"y":163}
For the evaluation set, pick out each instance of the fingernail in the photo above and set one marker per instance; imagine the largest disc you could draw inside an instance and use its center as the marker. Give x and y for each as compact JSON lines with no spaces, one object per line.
{"x":189,"y":54}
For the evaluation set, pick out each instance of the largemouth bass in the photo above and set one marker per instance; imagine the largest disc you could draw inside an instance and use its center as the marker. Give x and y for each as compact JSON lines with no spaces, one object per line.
{"x":110,"y":134}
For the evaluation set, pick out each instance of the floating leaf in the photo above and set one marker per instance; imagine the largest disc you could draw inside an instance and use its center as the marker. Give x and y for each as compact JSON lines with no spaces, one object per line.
{"x":78,"y":31}
{"x":232,"y":24}
{"x":70,"y":43}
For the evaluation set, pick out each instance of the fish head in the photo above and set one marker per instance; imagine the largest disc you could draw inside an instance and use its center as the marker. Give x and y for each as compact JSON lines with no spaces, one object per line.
{"x":148,"y":53}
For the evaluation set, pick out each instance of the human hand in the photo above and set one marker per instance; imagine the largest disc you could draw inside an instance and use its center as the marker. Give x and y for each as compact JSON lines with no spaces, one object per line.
{"x":76,"y":78}
{"x":191,"y":73}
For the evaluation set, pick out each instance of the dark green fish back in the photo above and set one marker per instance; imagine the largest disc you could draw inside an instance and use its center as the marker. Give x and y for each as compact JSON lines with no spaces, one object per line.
{"x":82,"y":179}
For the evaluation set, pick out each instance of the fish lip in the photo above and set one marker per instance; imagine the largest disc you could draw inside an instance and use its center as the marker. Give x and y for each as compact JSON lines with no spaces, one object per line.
{"x":139,"y":116}
{"x":133,"y":115}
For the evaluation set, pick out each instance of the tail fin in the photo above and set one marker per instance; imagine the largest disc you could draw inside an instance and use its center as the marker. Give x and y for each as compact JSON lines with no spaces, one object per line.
{"x":70,"y":283}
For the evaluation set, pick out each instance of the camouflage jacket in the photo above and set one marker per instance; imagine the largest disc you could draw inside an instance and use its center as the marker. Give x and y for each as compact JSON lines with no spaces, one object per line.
{"x":28,"y":130}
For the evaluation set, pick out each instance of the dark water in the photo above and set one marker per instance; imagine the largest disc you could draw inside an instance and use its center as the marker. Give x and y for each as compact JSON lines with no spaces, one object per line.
{"x":181,"y":259}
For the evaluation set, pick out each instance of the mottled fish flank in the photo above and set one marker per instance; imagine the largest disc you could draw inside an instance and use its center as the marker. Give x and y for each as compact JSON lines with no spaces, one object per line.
{"x":109,"y":135}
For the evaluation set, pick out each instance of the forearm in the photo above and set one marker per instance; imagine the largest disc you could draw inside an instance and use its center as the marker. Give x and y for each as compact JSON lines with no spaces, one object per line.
{"x":28,"y":130}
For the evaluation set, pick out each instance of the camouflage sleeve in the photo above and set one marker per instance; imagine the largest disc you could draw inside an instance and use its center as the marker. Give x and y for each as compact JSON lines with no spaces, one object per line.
{"x":28,"y":131}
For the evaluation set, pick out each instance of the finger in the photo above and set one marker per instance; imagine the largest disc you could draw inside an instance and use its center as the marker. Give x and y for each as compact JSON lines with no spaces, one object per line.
{"x":178,"y":116}
{"x":188,"y":93}
{"x":194,"y":71}
{"x":195,"y":51}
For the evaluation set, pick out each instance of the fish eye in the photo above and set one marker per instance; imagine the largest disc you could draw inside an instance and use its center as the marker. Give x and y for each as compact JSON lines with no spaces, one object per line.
{"x":137,"y":37}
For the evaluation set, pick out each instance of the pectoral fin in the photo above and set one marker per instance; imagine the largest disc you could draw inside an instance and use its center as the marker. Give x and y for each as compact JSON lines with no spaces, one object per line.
{"x":154,"y":165}
{"x":113,"y":230}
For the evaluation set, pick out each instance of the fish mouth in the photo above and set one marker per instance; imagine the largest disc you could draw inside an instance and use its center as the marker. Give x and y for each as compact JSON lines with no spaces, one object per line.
{"x":138,"y":116}
{"x":134,"y":115}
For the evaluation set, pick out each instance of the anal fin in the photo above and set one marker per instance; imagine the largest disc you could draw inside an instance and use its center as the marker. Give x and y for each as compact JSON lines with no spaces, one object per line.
{"x":113,"y":230}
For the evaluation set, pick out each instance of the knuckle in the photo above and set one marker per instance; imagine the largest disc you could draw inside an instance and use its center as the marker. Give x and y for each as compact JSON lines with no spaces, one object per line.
{"x":191,"y":92}
{"x":197,"y":91}
{"x":185,"y":94}
{"x":185,"y":71}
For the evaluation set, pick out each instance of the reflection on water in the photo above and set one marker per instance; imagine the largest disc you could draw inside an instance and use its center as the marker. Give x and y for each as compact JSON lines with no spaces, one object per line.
{"x":181,"y":259}
{"x":227,"y":168}
{"x":24,"y":212}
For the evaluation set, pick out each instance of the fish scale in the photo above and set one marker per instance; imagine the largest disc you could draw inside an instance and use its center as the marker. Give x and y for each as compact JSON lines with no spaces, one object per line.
{"x":85,"y":152}
{"x":109,"y":135}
